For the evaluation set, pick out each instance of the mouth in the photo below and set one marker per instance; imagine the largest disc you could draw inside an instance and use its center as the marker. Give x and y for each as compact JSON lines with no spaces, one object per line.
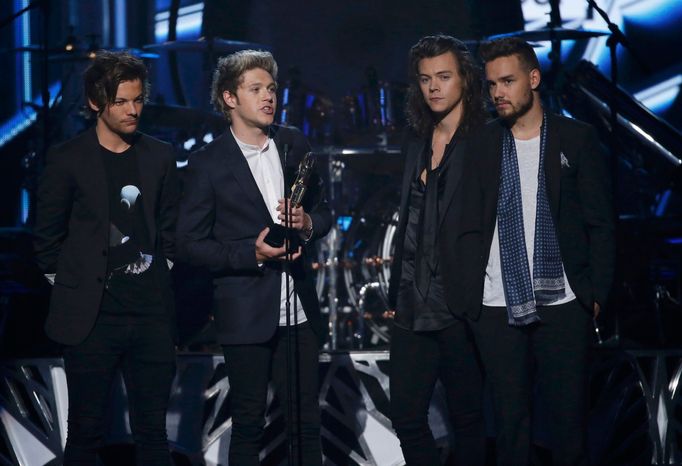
{"x":268,"y":109}
{"x":501,"y":104}
{"x":130,"y":122}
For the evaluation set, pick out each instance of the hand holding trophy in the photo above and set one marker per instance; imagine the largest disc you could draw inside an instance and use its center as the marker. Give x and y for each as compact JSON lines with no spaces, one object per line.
{"x":288,"y":231}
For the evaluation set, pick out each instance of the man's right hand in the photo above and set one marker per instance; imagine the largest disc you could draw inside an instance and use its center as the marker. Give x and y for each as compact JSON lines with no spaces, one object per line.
{"x":265,"y":252}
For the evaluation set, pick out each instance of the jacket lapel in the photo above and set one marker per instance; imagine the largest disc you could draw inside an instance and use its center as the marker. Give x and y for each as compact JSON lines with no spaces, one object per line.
{"x":455,"y":162}
{"x":553,"y":166}
{"x":414,"y":151}
{"x":242,"y":174}
{"x":285,"y":147}
{"x":97,"y":177}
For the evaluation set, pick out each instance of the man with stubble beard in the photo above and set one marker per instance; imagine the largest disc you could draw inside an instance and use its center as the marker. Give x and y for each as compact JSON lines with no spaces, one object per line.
{"x":545,"y":253}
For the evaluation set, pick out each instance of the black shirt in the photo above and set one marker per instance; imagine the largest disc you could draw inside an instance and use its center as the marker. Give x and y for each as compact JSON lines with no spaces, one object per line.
{"x":414,"y":312}
{"x":131,"y":287}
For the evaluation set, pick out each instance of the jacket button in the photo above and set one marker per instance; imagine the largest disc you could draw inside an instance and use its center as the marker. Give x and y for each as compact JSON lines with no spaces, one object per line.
{"x":99,"y":279}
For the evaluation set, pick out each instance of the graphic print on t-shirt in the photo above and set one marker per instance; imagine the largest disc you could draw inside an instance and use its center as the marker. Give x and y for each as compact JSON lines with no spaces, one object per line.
{"x":130,"y":199}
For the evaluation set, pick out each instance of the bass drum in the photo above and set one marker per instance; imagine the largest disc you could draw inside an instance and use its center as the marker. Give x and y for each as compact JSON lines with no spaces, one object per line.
{"x":366,"y":258}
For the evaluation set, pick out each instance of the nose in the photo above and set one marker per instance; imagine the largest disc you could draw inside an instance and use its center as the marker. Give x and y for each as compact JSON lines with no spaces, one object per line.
{"x":268,"y":95}
{"x":132,"y":108}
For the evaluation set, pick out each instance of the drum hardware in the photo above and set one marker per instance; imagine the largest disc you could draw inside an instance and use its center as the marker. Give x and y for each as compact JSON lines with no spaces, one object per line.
{"x":380,"y":332}
{"x":550,"y":33}
{"x":204,"y":45}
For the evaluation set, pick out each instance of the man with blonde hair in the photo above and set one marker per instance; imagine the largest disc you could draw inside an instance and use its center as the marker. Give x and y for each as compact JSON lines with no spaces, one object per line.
{"x":234,"y":192}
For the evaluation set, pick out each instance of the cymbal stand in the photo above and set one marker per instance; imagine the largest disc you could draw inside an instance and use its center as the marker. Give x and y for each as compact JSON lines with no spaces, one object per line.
{"x":335,"y":172}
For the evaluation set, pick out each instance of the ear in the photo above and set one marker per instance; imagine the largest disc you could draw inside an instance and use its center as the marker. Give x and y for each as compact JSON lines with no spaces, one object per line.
{"x":92,"y":106}
{"x":230,"y":99}
{"x":535,"y":78}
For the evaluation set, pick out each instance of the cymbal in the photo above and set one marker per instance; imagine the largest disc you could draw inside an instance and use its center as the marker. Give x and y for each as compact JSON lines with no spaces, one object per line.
{"x":178,"y":116}
{"x":78,"y":54}
{"x":81,"y":55}
{"x":220,"y":46}
{"x":549,"y":33}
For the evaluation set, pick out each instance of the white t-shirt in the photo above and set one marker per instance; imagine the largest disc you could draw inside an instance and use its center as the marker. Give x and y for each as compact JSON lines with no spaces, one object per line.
{"x":528,"y":156}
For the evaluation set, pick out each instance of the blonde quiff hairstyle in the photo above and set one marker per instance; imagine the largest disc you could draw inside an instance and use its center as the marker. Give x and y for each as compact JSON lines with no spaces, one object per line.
{"x":229,"y":74}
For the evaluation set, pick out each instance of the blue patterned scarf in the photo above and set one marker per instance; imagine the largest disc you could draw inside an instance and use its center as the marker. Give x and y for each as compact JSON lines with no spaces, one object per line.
{"x":523,"y":295}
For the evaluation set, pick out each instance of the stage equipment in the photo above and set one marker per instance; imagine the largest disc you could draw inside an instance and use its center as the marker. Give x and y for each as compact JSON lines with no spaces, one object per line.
{"x":552,"y":33}
{"x":590,"y":96}
{"x":190,"y":64}
{"x":353,"y":266}
{"x":203,"y":45}
{"x":634,"y":418}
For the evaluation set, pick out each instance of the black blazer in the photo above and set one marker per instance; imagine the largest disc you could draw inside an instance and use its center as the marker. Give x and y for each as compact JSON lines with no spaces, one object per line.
{"x":221,"y":214}
{"x":71,"y":234}
{"x":450,"y":208}
{"x":579,"y":193}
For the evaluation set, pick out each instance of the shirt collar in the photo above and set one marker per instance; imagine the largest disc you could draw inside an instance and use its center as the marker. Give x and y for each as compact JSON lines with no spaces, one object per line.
{"x":251,"y":148}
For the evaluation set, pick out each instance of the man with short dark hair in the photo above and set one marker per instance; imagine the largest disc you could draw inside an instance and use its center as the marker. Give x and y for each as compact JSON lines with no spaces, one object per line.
{"x":545,"y":256}
{"x":234,"y":192}
{"x":104,"y":236}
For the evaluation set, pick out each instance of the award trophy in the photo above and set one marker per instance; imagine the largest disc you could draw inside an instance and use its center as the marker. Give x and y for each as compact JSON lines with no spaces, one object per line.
{"x":278,"y":232}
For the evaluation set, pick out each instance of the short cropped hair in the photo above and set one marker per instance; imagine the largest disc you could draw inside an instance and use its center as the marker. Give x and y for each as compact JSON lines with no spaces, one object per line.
{"x":419,"y":115}
{"x":508,"y":46}
{"x":107,"y":70}
{"x":229,"y":74}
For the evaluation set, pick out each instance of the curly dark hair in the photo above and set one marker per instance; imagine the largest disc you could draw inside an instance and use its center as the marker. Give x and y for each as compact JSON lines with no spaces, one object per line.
{"x":419,"y":116}
{"x":108,"y":70}
{"x":229,"y":74}
{"x":508,"y":46}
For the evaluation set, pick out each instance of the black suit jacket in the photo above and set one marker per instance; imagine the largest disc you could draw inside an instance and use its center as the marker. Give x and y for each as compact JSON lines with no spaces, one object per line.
{"x":71,"y":234}
{"x":450,"y":206}
{"x":221,"y":214}
{"x":579,"y":192}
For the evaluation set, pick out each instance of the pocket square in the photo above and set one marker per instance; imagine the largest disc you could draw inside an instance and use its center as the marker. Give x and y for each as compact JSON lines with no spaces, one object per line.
{"x":564,"y":161}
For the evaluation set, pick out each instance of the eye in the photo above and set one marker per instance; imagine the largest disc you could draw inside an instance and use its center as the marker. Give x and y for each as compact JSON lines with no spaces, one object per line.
{"x":139,"y":100}
{"x":423,"y":80}
{"x":445,"y":77}
{"x":118,"y":103}
{"x":508,"y":81}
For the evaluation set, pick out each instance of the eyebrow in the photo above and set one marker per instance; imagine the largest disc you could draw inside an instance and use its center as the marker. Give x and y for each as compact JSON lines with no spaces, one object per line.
{"x":141,"y":96}
{"x":437,"y":73}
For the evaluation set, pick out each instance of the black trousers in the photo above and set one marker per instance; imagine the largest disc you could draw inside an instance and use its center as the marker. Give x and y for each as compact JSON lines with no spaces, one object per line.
{"x":555,"y":352}
{"x":418,"y":360}
{"x":145,"y":354}
{"x":249,"y":369}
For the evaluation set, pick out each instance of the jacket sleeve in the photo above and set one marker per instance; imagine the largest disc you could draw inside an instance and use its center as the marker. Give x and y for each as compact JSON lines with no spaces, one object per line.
{"x":197,"y":244}
{"x":594,"y":186}
{"x":53,"y":207}
{"x":168,"y":209}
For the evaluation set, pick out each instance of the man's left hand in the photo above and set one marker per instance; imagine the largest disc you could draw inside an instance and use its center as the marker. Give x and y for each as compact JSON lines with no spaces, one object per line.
{"x":597,"y":309}
{"x":298,"y":219}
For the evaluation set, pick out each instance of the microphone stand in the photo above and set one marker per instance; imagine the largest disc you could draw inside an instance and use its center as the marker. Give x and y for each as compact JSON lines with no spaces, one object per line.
{"x":290,"y":380}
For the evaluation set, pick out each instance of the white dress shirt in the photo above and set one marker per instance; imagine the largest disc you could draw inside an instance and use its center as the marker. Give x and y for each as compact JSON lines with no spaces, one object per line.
{"x":266,"y":169}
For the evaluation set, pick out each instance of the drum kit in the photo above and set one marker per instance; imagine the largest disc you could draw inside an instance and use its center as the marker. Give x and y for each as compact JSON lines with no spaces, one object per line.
{"x":357,"y":138}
